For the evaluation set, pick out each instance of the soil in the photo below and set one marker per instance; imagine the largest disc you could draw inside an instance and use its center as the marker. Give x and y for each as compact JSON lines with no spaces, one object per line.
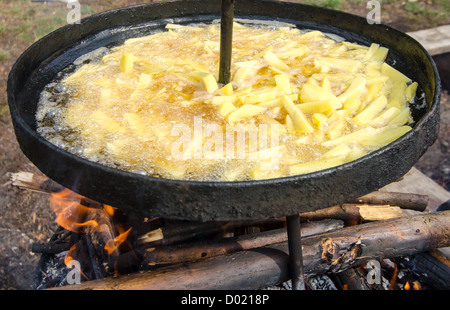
{"x":26,"y":217}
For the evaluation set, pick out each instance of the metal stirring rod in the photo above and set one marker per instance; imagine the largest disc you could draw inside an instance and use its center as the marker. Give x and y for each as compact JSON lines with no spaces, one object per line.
{"x":226,"y":39}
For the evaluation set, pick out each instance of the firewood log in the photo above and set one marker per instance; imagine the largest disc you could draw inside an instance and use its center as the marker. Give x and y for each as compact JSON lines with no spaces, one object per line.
{"x":353,"y":214}
{"x":403,"y":200}
{"x":328,"y":252}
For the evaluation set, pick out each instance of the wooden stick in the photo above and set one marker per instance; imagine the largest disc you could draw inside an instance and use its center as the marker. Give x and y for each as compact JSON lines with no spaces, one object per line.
{"x":403,"y":200}
{"x":353,"y":214}
{"x":35,"y":182}
{"x":329,"y":252}
{"x":189,"y":252}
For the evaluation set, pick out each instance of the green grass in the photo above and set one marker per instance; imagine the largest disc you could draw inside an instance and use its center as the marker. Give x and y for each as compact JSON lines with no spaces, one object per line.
{"x":4,"y":54}
{"x":29,"y":24}
{"x":330,"y":4}
{"x":4,"y":108}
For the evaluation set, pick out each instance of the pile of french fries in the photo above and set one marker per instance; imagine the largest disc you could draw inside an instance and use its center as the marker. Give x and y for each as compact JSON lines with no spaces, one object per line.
{"x":327,"y":101}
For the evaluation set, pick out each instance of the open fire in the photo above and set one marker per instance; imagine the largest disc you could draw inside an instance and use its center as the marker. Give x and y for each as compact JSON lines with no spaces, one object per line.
{"x":102,"y":243}
{"x":101,"y":236}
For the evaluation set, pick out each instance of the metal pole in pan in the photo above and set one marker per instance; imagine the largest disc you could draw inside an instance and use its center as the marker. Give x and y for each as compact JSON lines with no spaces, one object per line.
{"x":226,"y":39}
{"x":295,"y":252}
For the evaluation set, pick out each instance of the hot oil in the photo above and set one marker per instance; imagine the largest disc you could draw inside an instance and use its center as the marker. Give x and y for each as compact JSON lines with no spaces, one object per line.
{"x":159,"y":118}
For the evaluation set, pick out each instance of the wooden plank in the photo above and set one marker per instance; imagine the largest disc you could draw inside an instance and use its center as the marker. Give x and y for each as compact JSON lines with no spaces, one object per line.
{"x":435,"y":40}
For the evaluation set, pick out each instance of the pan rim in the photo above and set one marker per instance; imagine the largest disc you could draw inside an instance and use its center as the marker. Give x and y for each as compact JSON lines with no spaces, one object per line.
{"x":14,"y":111}
{"x":160,"y":193}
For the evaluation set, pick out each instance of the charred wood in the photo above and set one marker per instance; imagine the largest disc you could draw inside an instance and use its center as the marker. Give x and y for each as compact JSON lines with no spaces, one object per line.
{"x":430,"y":267}
{"x":351,"y":279}
{"x":50,"y":248}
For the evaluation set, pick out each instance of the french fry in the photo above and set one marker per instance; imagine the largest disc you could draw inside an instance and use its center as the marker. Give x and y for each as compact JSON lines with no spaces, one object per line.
{"x":245,"y":111}
{"x":274,"y":61}
{"x":341,"y":150}
{"x":293,"y":52}
{"x":376,"y":53}
{"x":234,"y":173}
{"x":375,"y":87}
{"x":261,"y":97}
{"x":404,"y":117}
{"x":411,"y":92}
{"x":346,"y":65}
{"x":326,"y":106}
{"x":319,"y":120}
{"x":227,"y":90}
{"x":315,"y":165}
{"x":337,"y":129}
{"x":397,"y":96}
{"x":116,"y":147}
{"x":352,"y":104}
{"x":209,"y":81}
{"x":351,"y":138}
{"x":299,"y":120}
{"x":373,"y":68}
{"x":385,"y":118}
{"x":283,"y":83}
{"x":326,"y":84}
{"x":127,"y":63}
{"x":356,"y":152}
{"x":393,"y":74}
{"x":241,"y":74}
{"x":106,"y":122}
{"x":218,"y":100}
{"x":356,"y":88}
{"x":226,"y":108}
{"x":385,"y":136}
{"x":313,"y":93}
{"x":371,"y":111}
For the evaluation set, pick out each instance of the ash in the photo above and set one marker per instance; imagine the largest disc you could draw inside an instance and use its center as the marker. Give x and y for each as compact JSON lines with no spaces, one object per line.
{"x":52,"y":271}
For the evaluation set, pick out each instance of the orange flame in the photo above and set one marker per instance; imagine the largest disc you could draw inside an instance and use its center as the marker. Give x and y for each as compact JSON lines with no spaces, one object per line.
{"x":68,"y":256}
{"x":70,"y":213}
{"x":393,"y":281}
{"x":112,"y":245}
{"x":109,"y":210}
{"x":415,"y":286}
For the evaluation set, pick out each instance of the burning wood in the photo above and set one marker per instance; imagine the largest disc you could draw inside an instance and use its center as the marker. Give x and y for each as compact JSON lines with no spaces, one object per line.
{"x":244,"y":254}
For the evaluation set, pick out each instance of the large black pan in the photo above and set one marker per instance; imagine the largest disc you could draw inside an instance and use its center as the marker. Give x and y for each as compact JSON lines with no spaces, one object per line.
{"x":217,"y":200}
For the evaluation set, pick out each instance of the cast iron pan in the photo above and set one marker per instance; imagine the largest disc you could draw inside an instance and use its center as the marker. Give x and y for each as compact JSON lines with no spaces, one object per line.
{"x":207,"y":201}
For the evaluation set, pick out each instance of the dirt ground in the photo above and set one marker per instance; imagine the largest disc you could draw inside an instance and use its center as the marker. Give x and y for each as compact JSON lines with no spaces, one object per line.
{"x":25,"y":217}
